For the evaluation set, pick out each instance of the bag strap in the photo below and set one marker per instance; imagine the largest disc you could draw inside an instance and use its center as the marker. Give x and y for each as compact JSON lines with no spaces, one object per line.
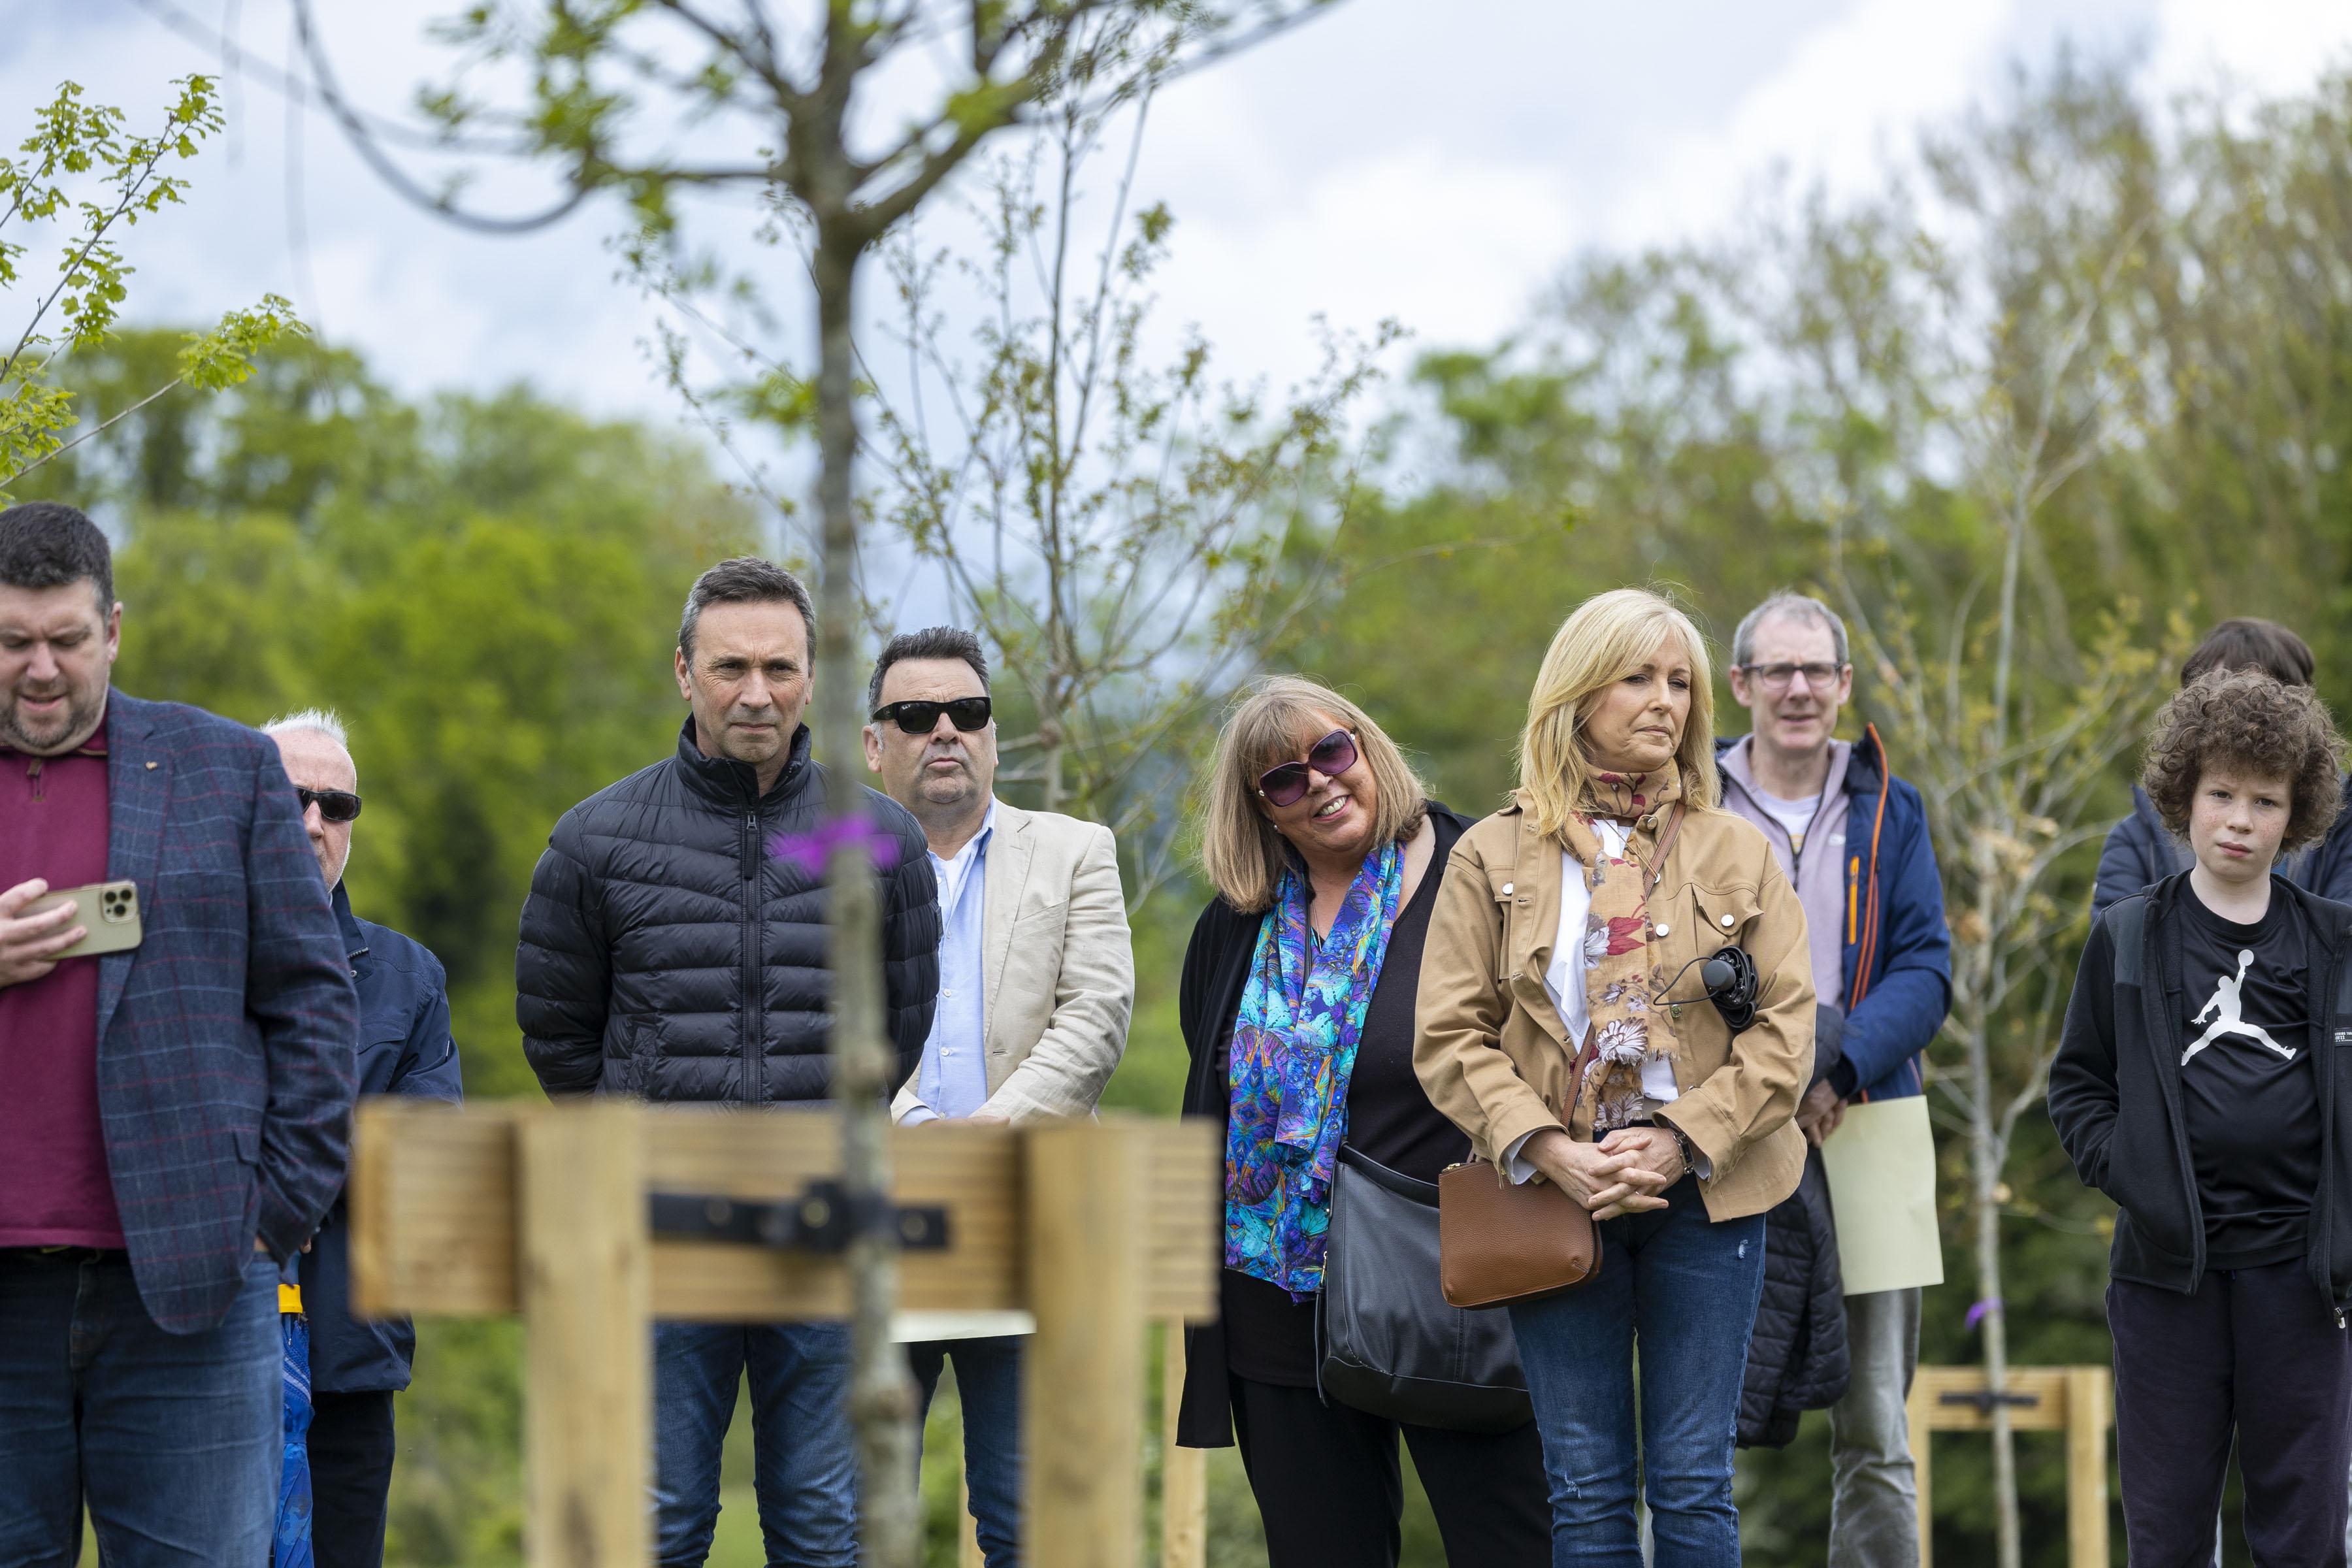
{"x":1666,"y":842}
{"x":2128,"y":925}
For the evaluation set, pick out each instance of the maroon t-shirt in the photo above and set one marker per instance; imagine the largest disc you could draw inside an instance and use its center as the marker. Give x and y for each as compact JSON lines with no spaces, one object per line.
{"x":54,"y":1187}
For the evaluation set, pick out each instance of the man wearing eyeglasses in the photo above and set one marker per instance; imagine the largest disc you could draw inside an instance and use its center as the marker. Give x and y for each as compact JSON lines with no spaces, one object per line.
{"x":405,"y":1048}
{"x":674,"y":947}
{"x":1853,"y":839}
{"x":1037,"y":982}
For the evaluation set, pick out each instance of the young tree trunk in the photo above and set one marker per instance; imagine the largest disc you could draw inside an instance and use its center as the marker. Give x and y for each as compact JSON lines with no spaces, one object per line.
{"x":1985,"y":1161}
{"x":882,"y":1396}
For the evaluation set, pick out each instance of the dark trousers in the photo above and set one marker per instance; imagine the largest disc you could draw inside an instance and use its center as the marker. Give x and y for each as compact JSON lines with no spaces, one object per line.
{"x":350,"y":1476}
{"x":1331,"y":1492}
{"x":2256,"y":1353}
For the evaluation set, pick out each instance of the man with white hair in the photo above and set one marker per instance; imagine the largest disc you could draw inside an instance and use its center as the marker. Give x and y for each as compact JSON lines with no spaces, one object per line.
{"x":405,"y":1048}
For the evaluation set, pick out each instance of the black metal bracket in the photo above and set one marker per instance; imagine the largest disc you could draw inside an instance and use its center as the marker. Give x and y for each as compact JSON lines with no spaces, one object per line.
{"x":822,"y":1219}
{"x":1982,"y":1400}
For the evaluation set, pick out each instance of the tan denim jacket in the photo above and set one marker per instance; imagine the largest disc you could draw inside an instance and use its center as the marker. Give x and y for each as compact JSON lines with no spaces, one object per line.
{"x":1493,"y":1054}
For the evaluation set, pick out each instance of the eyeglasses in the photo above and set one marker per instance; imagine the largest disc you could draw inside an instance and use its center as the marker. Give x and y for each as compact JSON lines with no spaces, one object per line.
{"x":1776,"y":677}
{"x":334,"y":804}
{"x":1285,"y":782}
{"x":969,"y":713}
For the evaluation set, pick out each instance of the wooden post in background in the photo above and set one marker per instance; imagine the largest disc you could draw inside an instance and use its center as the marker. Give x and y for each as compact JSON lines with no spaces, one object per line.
{"x":1083,"y":1200}
{"x":585,"y":1282}
{"x":1923,"y":1434}
{"x":2088,"y":1415}
{"x":1183,"y":1472}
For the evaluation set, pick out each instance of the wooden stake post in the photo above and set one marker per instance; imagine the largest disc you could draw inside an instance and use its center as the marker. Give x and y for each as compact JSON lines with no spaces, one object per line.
{"x":2078,"y":1400}
{"x":1092,"y":1227}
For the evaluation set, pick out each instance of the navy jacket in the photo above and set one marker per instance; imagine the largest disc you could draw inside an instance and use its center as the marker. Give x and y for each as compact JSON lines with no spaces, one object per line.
{"x":2141,"y":851}
{"x":1898,"y":951}
{"x":225,"y":1039}
{"x":404,"y":1049}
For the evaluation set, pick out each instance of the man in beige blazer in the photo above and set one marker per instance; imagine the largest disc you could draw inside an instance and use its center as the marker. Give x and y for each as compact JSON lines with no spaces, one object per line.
{"x":1036,"y":982}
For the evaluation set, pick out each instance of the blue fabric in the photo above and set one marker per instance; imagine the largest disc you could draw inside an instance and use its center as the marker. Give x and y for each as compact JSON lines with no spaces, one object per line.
{"x":2140,"y":852}
{"x":987,"y":1383}
{"x":1293,"y":1046}
{"x":1681,"y":1293}
{"x":805,"y":1459}
{"x":953,"y":1079}
{"x":171,"y":1439}
{"x":1908,"y":991}
{"x":291,"y":1545}
{"x":225,"y":1038}
{"x":405,"y":1047}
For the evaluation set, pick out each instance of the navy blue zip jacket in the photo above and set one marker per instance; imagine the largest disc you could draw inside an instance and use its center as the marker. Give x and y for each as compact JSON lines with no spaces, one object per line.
{"x":2141,"y":851}
{"x":404,"y":1049}
{"x":1897,"y":950}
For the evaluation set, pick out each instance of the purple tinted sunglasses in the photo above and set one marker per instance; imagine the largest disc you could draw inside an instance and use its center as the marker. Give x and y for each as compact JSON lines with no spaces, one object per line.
{"x":1286,"y":783}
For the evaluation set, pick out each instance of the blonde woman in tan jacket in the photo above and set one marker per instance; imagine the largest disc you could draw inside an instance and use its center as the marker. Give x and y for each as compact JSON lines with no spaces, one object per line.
{"x":1563,"y":1026}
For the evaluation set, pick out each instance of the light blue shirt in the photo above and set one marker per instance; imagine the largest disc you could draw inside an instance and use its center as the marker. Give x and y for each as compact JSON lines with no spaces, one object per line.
{"x":953,"y":1079}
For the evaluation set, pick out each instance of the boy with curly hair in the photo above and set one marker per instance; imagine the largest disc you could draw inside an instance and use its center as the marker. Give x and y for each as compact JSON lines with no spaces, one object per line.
{"x":2204,"y":1082}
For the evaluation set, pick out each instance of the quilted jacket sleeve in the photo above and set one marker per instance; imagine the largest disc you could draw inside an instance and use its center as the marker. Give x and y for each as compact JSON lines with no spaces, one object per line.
{"x":563,"y":968}
{"x":910,"y":949}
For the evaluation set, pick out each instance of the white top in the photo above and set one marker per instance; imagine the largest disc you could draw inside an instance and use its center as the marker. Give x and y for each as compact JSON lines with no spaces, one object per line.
{"x":1793,"y":815}
{"x":1564,"y":979}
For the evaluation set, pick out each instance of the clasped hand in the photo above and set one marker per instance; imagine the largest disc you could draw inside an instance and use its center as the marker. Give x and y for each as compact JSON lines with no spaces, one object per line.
{"x":1626,"y":1172}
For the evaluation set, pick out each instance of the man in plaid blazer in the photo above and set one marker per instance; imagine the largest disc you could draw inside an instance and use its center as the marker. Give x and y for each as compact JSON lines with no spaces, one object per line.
{"x":176,"y":1116}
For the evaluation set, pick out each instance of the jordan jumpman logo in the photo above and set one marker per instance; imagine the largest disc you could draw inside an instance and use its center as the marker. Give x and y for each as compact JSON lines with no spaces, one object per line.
{"x":2227,"y":1011}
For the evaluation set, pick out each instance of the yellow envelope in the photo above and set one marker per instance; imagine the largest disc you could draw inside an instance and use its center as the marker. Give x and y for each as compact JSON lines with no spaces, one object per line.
{"x":1881,"y":1168}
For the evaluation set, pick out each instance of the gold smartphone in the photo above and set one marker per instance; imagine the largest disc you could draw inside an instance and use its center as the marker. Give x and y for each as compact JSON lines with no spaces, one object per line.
{"x":108,"y":913}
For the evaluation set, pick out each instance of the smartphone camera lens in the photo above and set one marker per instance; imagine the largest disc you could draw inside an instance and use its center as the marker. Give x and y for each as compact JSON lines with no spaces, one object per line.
{"x":114,"y":906}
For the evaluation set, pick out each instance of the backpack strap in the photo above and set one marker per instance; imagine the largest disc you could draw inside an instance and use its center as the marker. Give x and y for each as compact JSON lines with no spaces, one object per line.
{"x":2128,"y":924}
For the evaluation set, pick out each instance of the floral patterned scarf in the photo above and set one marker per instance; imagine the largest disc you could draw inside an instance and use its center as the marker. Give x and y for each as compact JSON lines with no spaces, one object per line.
{"x":1622,"y":991}
{"x":1294,"y":1046}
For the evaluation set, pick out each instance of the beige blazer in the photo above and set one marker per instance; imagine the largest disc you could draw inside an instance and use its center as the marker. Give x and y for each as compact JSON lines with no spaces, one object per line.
{"x":1057,"y":965}
{"x":1491,"y":1052}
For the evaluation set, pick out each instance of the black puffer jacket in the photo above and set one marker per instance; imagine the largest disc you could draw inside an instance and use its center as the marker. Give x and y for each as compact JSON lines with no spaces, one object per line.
{"x":666,"y":953}
{"x":1797,"y":1356}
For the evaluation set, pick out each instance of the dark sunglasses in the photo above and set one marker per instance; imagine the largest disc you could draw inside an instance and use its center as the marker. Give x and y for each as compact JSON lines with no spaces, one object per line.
{"x":969,"y":713}
{"x":334,"y":804}
{"x":1285,"y":782}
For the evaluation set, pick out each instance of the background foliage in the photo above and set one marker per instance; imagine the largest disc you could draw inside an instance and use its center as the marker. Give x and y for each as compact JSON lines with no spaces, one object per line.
{"x":488,"y":586}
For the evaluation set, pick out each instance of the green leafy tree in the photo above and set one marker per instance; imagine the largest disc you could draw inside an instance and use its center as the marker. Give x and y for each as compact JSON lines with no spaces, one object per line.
{"x":80,"y":182}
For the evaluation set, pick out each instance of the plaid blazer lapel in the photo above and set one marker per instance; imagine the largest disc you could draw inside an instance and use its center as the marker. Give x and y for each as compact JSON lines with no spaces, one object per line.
{"x":137,"y":788}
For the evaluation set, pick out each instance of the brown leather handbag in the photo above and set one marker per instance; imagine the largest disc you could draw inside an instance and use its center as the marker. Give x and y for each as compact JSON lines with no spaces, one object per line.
{"x":1498,"y":1242}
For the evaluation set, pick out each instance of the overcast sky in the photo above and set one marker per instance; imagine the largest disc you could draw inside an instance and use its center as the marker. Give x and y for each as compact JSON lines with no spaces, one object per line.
{"x":1433,"y":163}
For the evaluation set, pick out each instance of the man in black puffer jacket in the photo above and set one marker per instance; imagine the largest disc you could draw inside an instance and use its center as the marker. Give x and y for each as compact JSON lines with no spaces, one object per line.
{"x":668,"y":953}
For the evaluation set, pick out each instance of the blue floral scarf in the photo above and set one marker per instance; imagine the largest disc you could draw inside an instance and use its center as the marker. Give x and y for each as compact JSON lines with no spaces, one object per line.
{"x":1294,"y":1046}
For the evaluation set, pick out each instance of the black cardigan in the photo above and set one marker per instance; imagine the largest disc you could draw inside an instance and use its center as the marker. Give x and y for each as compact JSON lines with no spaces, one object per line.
{"x":1216,"y":971}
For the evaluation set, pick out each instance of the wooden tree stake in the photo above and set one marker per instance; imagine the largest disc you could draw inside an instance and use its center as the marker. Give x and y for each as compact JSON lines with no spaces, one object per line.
{"x":1084,"y":1202}
{"x":586,"y":1288}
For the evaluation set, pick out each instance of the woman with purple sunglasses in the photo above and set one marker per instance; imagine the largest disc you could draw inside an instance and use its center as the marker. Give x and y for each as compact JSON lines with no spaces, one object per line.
{"x":1298,"y":1009}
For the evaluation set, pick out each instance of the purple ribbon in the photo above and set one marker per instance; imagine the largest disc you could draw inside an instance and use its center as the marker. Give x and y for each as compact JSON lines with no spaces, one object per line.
{"x":1977,"y":1312}
{"x":812,"y":851}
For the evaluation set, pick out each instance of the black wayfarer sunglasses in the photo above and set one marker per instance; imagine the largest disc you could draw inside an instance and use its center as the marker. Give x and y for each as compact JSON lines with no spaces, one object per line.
{"x":968,"y":713}
{"x":1285,"y":782}
{"x":334,"y":804}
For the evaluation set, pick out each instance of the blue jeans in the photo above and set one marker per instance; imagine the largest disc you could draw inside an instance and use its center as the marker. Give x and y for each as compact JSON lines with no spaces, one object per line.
{"x":171,"y":1440}
{"x":988,"y":1381}
{"x":805,"y":1459}
{"x":1685,"y":1290}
